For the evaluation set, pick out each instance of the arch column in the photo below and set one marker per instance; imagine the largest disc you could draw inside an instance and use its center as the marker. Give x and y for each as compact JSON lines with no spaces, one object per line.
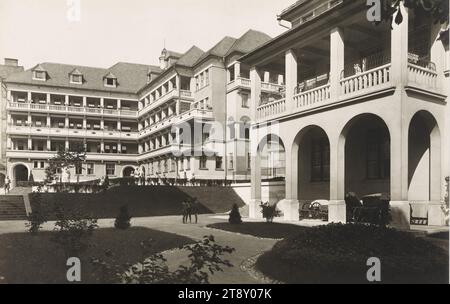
{"x":290,"y":205}
{"x":255,"y":200}
{"x":337,"y":209}
{"x":400,"y":208}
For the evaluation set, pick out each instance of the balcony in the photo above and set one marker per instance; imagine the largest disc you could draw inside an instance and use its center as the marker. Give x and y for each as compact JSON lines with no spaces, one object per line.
{"x":422,"y":76}
{"x":173,"y":120}
{"x":238,"y":83}
{"x":71,"y":133}
{"x":173,"y":94}
{"x":63,"y":109}
{"x":26,"y":154}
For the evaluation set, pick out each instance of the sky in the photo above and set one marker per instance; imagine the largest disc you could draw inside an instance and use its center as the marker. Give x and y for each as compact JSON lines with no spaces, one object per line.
{"x":108,"y":31}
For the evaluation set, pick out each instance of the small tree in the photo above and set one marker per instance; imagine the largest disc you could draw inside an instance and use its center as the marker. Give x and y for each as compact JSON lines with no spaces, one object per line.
{"x":205,"y":258}
{"x":235,"y":216}
{"x":73,"y":229}
{"x":72,"y":158}
{"x":123,"y":219}
{"x":37,"y":217}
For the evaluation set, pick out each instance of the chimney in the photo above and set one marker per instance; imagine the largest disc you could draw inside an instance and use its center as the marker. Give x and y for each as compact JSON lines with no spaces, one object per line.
{"x":11,"y":62}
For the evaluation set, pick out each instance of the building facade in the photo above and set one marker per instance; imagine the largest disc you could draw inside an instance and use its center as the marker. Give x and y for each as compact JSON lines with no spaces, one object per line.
{"x":162,"y":122}
{"x":10,"y":67}
{"x":365,"y":110}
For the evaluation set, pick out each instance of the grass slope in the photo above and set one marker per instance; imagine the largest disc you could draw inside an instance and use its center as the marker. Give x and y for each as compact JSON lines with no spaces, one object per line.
{"x":145,"y":201}
{"x":25,"y":258}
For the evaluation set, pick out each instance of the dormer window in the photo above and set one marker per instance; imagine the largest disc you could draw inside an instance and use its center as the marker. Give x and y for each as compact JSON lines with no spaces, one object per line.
{"x":39,"y":73}
{"x":76,"y":77}
{"x":110,"y":80}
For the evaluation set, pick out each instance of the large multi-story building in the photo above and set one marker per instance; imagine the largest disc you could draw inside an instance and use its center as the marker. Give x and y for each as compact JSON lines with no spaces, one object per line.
{"x":135,"y":117}
{"x":365,"y":110}
{"x":11,"y":66}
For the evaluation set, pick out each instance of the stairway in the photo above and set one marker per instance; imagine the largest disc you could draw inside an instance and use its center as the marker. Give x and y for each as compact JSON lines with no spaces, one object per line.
{"x":12,"y":207}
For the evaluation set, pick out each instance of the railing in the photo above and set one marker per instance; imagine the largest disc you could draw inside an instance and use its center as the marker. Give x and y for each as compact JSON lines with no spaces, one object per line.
{"x":270,"y":109}
{"x":366,"y":80}
{"x":422,"y":76}
{"x":64,"y":131}
{"x":70,"y":109}
{"x":312,"y":97}
{"x":239,"y":82}
{"x":362,"y":65}
{"x":185,"y":93}
{"x":274,"y":87}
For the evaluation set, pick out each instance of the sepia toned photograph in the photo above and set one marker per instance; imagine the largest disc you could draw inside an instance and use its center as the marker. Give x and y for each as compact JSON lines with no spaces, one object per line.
{"x":249,"y":144}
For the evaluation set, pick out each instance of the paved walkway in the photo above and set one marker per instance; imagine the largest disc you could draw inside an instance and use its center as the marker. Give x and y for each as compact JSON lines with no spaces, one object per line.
{"x":246,"y":246}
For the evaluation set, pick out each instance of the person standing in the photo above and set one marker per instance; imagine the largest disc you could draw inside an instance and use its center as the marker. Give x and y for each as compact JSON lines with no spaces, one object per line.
{"x":7,"y":184}
{"x":184,"y":211}
{"x":195,"y":208}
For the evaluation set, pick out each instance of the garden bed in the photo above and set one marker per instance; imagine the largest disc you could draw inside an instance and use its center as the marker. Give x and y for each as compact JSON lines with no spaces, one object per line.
{"x":25,"y":258}
{"x":339,"y":253}
{"x":262,"y":230}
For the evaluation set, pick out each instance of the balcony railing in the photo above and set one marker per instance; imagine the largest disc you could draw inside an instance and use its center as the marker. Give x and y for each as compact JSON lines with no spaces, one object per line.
{"x":363,"y":81}
{"x":312,"y":98}
{"x":71,"y":132}
{"x":422,"y":76}
{"x":271,"y":109}
{"x":69,"y":109}
{"x":239,"y":82}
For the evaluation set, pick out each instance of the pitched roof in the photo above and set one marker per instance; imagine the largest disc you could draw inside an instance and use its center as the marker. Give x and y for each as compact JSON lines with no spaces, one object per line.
{"x":130,"y":77}
{"x":249,"y":41}
{"x":190,"y":57}
{"x":220,"y":49}
{"x":6,"y":70}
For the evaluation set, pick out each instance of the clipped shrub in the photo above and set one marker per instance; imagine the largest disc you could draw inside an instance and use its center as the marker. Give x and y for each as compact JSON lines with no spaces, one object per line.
{"x":123,"y":219}
{"x":235,"y":216}
{"x":338,"y":253}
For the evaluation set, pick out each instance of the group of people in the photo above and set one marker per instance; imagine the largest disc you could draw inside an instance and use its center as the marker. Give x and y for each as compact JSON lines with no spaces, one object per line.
{"x":7,"y":185}
{"x":190,"y":208}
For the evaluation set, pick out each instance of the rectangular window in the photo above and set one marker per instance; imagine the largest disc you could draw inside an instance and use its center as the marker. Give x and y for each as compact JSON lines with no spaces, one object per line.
{"x":230,"y":162}
{"x":378,"y":155}
{"x":36,"y":165}
{"x":320,"y":160}
{"x":219,"y":163}
{"x":79,"y":169}
{"x":203,"y":162}
{"x":188,"y":163}
{"x":90,"y":169}
{"x":245,"y":100}
{"x":76,"y":79}
{"x":110,"y":169}
{"x":42,"y":165}
{"x":182,"y":164}
{"x":206,"y":77}
{"x":40,"y":75}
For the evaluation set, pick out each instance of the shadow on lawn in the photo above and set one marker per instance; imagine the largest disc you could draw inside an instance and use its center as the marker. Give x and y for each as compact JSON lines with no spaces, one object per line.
{"x":261,"y":229}
{"x":25,"y":258}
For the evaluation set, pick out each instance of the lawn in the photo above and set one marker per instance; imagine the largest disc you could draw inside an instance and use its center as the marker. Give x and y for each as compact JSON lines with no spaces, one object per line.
{"x":338,"y":254}
{"x":262,"y":230}
{"x":25,"y":258}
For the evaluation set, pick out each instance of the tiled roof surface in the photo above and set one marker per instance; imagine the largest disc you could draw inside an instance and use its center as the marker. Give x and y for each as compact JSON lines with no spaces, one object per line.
{"x":249,"y":41}
{"x":6,"y":70}
{"x":190,"y":57}
{"x":130,"y":77}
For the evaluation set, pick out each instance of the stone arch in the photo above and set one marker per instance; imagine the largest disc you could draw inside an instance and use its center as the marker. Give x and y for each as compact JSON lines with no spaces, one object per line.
{"x":128,"y":171}
{"x":310,"y":165}
{"x":19,"y":172}
{"x":424,"y":158}
{"x":364,"y":156}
